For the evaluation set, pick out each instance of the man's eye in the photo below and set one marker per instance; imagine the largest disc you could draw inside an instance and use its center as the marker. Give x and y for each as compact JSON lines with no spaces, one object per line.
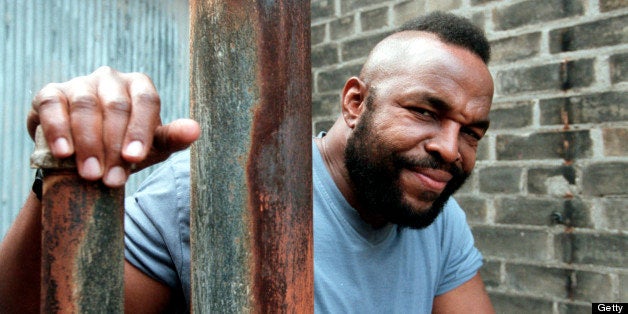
{"x":424,"y":112}
{"x":475,"y":135}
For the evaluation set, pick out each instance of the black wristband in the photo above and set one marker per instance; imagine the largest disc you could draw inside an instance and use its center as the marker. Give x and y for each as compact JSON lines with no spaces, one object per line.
{"x":38,"y":184}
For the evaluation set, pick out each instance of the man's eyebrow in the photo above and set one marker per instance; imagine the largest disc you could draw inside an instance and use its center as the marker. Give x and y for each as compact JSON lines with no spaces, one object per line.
{"x":437,"y":103}
{"x":481,"y":124}
{"x":441,"y":105}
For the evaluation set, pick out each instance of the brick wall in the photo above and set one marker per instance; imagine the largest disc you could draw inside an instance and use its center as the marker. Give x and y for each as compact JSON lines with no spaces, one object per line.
{"x":548,"y":200}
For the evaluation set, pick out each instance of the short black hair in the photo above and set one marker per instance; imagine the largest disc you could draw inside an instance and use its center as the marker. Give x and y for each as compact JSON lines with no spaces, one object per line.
{"x":452,"y":29}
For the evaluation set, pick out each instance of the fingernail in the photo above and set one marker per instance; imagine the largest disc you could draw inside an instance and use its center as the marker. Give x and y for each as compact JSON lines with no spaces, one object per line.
{"x":61,"y":146}
{"x":134,"y":149}
{"x":115,"y":177}
{"x":91,"y":169}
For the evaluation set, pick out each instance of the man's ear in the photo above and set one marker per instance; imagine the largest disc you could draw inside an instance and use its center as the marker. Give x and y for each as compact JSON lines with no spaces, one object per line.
{"x":353,"y":101}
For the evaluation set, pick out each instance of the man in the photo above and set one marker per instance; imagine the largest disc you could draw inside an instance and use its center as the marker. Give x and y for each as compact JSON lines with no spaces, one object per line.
{"x":387,"y":235}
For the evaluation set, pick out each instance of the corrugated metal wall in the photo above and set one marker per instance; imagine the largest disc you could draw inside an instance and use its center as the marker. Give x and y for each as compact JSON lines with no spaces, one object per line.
{"x":45,"y":41}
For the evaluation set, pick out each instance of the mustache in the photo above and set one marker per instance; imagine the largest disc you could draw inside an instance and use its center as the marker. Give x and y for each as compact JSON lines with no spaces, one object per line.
{"x":431,"y":162}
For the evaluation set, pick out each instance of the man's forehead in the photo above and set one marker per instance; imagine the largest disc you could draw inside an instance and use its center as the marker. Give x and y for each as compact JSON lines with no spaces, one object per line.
{"x":407,"y":43}
{"x":396,"y":51}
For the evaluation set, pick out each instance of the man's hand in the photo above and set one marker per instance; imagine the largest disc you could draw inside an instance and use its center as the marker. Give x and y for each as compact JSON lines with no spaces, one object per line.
{"x":110,"y":121}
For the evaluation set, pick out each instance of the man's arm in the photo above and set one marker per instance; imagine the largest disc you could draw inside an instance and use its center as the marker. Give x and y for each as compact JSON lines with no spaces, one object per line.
{"x":20,"y":260}
{"x":470,"y":297}
{"x":143,"y":294}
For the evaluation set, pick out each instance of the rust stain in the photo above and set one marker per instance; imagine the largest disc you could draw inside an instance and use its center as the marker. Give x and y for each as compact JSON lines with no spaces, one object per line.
{"x":564,"y":73}
{"x":279,"y":168}
{"x":564,"y":117}
{"x":69,"y":256}
{"x":260,"y":52}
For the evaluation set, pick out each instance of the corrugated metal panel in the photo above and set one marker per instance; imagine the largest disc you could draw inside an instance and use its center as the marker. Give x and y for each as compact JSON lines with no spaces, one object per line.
{"x":45,"y":41}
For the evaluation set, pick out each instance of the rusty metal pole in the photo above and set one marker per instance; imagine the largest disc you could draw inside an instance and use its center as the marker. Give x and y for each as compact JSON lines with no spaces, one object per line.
{"x":82,"y":240}
{"x":251,"y":211}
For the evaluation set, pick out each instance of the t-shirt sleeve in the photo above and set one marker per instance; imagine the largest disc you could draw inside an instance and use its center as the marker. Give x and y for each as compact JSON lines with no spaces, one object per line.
{"x":156,"y":230}
{"x":462,"y":259}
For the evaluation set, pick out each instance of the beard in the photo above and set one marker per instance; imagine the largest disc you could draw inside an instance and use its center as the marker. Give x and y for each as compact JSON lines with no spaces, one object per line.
{"x":374,"y":169}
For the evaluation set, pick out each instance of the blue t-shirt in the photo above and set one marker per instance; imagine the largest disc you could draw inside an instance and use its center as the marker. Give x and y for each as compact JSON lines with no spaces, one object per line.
{"x":357,"y":269}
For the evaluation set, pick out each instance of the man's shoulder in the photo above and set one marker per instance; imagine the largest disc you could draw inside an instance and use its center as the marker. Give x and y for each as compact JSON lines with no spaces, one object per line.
{"x":170,"y":180}
{"x":176,"y":166}
{"x":180,"y":161}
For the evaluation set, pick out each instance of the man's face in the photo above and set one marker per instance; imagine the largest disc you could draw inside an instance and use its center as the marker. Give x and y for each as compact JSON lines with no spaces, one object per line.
{"x":415,"y":142}
{"x":375,"y":169}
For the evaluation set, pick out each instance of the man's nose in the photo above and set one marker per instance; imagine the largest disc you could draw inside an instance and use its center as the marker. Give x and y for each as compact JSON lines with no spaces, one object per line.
{"x":445,"y":142}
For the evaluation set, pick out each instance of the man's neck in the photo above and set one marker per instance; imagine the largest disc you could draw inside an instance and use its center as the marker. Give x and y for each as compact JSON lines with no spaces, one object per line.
{"x":332,"y":149}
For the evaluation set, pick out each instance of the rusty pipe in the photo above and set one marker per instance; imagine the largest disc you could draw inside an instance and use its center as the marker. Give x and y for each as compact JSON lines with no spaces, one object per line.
{"x":82,"y":239}
{"x":251,"y":211}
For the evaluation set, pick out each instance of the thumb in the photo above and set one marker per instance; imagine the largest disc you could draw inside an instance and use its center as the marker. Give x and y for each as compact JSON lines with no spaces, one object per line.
{"x":177,"y":135}
{"x":169,"y":138}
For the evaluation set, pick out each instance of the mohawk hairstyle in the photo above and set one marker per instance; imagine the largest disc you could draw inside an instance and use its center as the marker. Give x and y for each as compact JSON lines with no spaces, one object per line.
{"x":452,"y":29}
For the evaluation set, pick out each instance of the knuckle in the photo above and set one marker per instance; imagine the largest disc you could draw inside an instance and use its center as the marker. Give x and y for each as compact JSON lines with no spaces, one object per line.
{"x":105,"y":69}
{"x":149,"y":98}
{"x":118,"y":105}
{"x":49,"y":94}
{"x":84,"y":101}
{"x":45,"y":101}
{"x":105,"y":72}
{"x":140,"y":79}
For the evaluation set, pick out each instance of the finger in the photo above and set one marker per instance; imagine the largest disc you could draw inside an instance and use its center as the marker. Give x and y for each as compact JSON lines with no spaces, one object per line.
{"x":177,"y":135}
{"x":144,"y":117}
{"x":32,"y":121}
{"x":116,"y":106}
{"x":50,"y":110}
{"x":172,"y":137}
{"x":86,"y":122}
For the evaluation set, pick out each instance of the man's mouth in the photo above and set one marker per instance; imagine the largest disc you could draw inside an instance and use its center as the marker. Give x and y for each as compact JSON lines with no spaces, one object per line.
{"x":433,"y":179}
